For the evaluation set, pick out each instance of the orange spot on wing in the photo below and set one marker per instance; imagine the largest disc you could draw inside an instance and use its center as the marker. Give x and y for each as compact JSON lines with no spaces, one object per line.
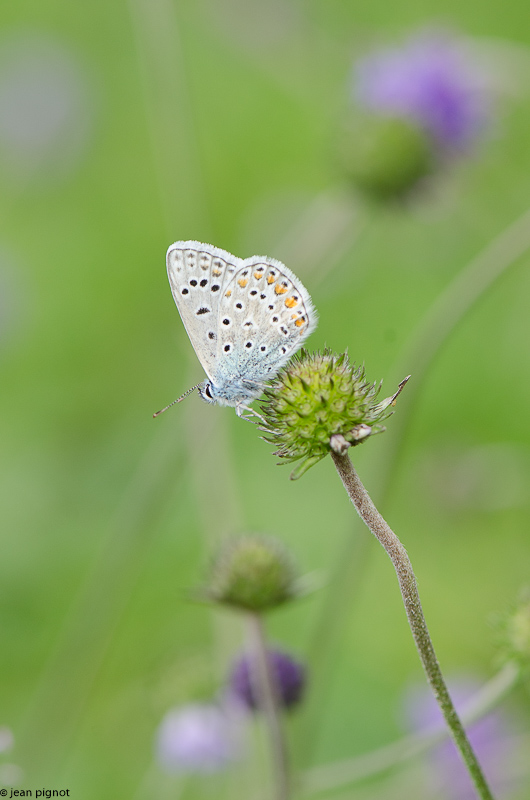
{"x":291,"y":302}
{"x":300,"y":322}
{"x":216,"y":272}
{"x":279,"y":289}
{"x":228,"y":293}
{"x":270,"y":279}
{"x":258,"y":275}
{"x":243,"y":282}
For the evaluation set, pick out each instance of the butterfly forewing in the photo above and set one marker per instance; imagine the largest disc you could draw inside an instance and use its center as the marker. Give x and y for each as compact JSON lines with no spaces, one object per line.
{"x":198,"y":274}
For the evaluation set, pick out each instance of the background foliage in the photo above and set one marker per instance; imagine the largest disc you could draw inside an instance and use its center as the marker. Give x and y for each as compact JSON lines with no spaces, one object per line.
{"x":215,"y":120}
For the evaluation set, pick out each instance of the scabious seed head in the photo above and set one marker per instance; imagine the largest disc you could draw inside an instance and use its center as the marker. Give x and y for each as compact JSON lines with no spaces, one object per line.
{"x":320,"y":402}
{"x":253,"y":573}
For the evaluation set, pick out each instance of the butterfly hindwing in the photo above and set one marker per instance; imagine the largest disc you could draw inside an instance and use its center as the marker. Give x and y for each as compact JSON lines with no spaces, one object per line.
{"x":265,"y":315}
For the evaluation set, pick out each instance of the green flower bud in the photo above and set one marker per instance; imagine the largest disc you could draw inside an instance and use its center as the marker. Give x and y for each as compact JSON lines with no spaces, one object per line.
{"x":385,"y":156}
{"x":254,"y":573}
{"x":320,"y":402}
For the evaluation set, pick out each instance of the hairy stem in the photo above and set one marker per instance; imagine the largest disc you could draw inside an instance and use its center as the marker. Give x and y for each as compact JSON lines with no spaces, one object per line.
{"x":427,"y":339}
{"x":339,"y":774}
{"x":267,"y":696}
{"x":409,"y":591}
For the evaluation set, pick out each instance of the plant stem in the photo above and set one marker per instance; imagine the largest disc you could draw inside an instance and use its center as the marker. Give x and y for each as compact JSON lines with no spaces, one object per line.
{"x":426,"y":341}
{"x":267,"y":695}
{"x":409,"y":591}
{"x":439,"y":323}
{"x":339,"y":774}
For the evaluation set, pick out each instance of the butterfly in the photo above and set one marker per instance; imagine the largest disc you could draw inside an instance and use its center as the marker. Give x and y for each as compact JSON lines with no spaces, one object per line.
{"x":245,"y":319}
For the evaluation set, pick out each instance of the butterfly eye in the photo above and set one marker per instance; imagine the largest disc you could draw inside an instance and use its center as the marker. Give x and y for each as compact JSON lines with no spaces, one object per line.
{"x":207,"y":391}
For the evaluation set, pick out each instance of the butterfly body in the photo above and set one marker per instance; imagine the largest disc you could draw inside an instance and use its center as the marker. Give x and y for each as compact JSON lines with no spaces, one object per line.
{"x":245,"y":318}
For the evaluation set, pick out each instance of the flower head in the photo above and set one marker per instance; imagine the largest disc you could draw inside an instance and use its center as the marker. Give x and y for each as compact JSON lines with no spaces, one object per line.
{"x":415,"y":105}
{"x":289,"y":675}
{"x":198,"y":738}
{"x":252,"y":572}
{"x":430,"y":80}
{"x":320,"y":402}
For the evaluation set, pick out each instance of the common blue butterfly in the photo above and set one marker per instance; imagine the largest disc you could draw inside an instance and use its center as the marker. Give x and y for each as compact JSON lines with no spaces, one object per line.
{"x":245,"y":318}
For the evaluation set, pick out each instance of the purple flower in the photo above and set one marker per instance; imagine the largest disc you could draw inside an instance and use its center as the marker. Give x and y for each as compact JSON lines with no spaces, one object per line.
{"x":430,"y":81}
{"x":491,"y":737}
{"x":198,"y":738}
{"x":289,"y":676}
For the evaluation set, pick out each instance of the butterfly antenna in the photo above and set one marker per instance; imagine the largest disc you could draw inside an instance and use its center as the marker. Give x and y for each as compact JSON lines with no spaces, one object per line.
{"x":157,"y":414}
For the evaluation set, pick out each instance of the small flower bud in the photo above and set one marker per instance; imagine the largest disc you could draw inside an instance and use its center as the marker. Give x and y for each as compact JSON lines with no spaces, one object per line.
{"x":320,"y":402}
{"x":385,"y":156}
{"x":289,"y":677}
{"x":254,"y":573}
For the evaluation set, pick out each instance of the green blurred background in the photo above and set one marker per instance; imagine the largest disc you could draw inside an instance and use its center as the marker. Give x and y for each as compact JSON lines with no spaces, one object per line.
{"x":127,"y":126}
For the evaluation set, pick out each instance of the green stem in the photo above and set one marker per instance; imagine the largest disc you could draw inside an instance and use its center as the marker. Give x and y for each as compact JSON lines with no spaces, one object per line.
{"x":337,"y":775}
{"x":409,"y":591}
{"x":268,"y":703}
{"x":426,"y":341}
{"x":442,"y":318}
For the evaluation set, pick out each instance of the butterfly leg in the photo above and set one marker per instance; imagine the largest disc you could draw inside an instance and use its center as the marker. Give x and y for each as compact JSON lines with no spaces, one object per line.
{"x":241,"y":407}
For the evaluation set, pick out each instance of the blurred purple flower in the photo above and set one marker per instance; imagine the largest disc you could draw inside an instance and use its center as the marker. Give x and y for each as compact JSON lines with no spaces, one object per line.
{"x":198,"y":738}
{"x":431,"y":81}
{"x":289,"y":675}
{"x":491,"y":738}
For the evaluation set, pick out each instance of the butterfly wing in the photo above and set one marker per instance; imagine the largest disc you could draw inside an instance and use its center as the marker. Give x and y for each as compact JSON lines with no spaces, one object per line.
{"x":265,"y":315}
{"x":198,"y":274}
